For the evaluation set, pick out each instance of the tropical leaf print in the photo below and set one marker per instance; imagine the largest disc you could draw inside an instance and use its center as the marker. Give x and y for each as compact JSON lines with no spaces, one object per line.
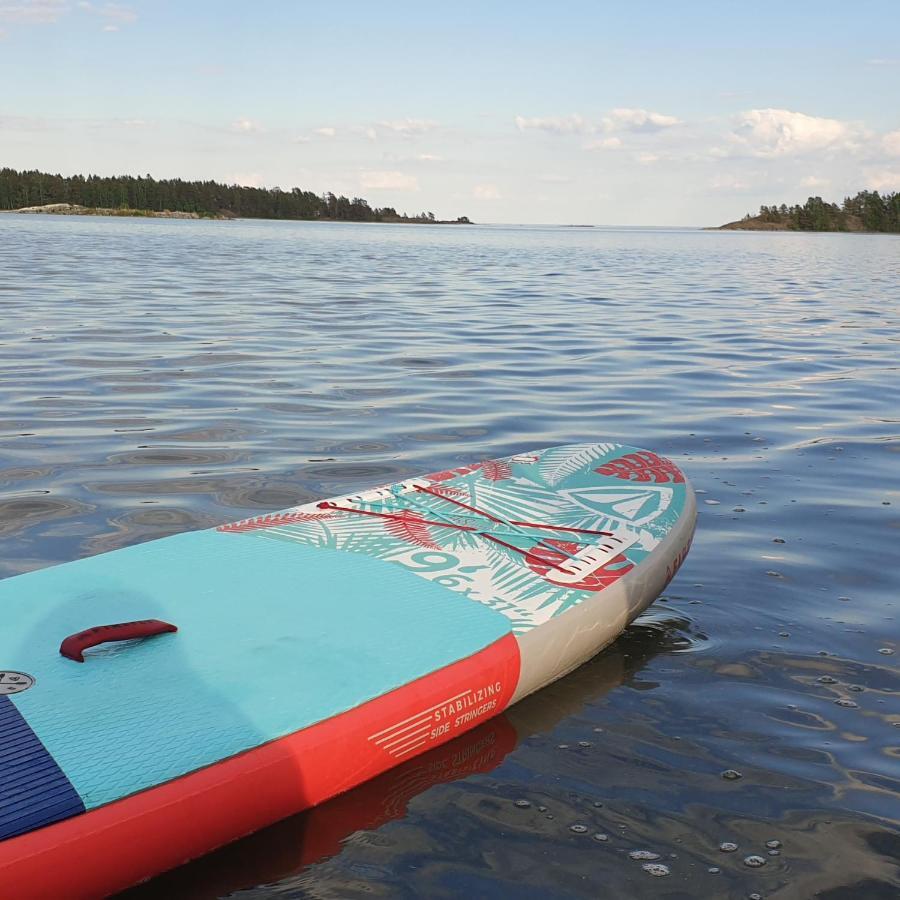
{"x":520,"y":500}
{"x":642,"y":466}
{"x":456,"y":541}
{"x":447,"y":474}
{"x":372,"y":542}
{"x":498,"y":532}
{"x":445,"y":490}
{"x":275,"y":520}
{"x":510,"y":577}
{"x":496,"y":470}
{"x":561,"y":462}
{"x":412,"y":532}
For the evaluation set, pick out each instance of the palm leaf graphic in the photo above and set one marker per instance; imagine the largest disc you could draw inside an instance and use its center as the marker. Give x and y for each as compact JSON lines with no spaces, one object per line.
{"x":496,"y":470}
{"x":561,"y":462}
{"x":274,"y":520}
{"x":411,"y":532}
{"x":520,"y":500}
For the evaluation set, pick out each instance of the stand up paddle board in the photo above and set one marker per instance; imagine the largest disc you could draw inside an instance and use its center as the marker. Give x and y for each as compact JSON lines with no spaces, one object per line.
{"x":160,"y":701}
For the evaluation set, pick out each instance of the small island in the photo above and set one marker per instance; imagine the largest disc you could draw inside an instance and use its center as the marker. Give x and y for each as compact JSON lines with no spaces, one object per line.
{"x":867,"y":212}
{"x":128,"y":195}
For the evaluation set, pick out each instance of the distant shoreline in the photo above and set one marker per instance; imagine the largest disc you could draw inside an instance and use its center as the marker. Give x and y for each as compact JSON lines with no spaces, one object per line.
{"x":867,"y":213}
{"x":74,"y":209}
{"x":757,"y":224}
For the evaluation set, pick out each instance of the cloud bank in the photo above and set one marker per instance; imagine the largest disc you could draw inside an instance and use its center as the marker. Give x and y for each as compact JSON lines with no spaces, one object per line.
{"x":619,"y":119}
{"x":770,"y":133}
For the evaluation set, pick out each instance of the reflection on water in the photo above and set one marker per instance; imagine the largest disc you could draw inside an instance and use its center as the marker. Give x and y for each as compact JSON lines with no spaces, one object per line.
{"x":162,"y":376}
{"x":282,"y":853}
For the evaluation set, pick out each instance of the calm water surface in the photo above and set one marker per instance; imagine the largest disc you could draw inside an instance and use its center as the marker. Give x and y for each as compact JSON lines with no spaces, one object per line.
{"x":160,"y":376}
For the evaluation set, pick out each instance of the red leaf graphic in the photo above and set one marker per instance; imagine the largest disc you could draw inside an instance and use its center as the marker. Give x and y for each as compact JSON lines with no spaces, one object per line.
{"x":412,"y":531}
{"x":273,"y":521}
{"x":642,"y":466}
{"x":445,"y":490}
{"x":496,"y":470}
{"x":447,"y":474}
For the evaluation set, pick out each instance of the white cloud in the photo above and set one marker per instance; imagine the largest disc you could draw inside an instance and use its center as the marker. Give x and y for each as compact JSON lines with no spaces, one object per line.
{"x":365,"y":131}
{"x":114,"y":13}
{"x":326,"y":131}
{"x":388,"y":181}
{"x":891,"y":143}
{"x":553,"y":178}
{"x":894,"y":61}
{"x":647,"y":159}
{"x":573,"y":124}
{"x":245,"y":126}
{"x":33,"y":12}
{"x":486,"y":192}
{"x":883,"y":180}
{"x":813,"y":181}
{"x":619,"y":119}
{"x":301,"y":139}
{"x":771,"y":133}
{"x":625,"y":119}
{"x":49,"y":12}
{"x":251,"y":179}
{"x":429,"y":157}
{"x":610,"y":143}
{"x":729,"y":183}
{"x":408,"y":127}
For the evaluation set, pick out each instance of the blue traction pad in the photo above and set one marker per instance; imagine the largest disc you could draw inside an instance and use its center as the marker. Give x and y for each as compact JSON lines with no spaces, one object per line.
{"x":273,"y":637}
{"x":33,"y":789}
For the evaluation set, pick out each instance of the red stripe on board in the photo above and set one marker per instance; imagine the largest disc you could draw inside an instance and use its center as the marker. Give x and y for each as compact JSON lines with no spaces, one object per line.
{"x":117,"y":845}
{"x":286,"y":848}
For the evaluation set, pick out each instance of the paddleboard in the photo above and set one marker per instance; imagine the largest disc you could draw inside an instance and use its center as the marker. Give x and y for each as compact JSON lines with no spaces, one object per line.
{"x":160,"y":701}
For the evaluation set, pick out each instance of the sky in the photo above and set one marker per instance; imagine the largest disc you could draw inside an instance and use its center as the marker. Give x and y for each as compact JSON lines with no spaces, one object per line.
{"x":607,"y":113}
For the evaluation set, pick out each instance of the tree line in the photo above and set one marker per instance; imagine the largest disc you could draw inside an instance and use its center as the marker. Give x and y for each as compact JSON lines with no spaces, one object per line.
{"x":867,"y":211}
{"x":205,"y":198}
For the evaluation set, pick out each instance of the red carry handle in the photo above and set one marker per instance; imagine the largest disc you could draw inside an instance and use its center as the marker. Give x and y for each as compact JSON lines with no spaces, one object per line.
{"x":74,"y":645}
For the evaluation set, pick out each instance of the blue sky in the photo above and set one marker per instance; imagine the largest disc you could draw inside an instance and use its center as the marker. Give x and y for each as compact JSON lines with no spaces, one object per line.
{"x":608,"y":113}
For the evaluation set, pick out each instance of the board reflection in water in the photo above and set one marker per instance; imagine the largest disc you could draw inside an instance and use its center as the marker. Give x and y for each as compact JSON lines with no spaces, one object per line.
{"x":282,"y":852}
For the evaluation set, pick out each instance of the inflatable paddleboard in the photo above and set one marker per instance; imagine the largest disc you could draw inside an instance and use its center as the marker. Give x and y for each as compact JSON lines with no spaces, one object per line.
{"x":160,"y":701}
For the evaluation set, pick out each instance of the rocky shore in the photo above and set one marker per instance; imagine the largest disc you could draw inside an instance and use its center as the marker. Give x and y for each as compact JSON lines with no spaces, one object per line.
{"x":73,"y":209}
{"x":758,"y":223}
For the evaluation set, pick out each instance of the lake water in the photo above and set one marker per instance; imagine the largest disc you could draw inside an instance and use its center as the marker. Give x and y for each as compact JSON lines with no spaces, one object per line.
{"x":158,"y":376}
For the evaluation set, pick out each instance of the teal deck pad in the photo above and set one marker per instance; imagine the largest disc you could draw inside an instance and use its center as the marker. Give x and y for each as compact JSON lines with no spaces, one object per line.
{"x":273,"y":637}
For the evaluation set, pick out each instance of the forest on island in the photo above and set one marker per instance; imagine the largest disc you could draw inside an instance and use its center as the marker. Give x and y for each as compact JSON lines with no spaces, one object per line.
{"x":206,"y":198}
{"x":867,"y":211}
